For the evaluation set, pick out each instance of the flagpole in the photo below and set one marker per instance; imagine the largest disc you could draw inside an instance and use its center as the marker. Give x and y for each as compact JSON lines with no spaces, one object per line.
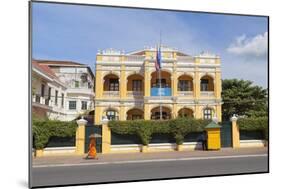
{"x":160,"y":80}
{"x":160,"y":96}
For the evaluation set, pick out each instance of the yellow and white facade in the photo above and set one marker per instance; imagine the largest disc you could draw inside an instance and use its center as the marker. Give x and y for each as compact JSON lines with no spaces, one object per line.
{"x":125,"y":85}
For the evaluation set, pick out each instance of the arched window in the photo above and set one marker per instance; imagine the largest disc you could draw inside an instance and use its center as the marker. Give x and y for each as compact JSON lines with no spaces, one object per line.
{"x":207,"y":113}
{"x":111,"y":115}
{"x":206,"y":83}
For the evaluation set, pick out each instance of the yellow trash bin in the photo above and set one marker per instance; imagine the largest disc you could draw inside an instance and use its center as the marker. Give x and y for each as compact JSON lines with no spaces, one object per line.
{"x":213,"y":136}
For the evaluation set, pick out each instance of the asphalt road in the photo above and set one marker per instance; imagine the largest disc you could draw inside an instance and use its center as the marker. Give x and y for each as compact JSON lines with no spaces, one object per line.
{"x":156,"y":169}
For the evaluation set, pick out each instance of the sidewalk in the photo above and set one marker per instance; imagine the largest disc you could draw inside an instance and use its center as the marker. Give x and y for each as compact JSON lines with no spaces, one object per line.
{"x":104,"y":158}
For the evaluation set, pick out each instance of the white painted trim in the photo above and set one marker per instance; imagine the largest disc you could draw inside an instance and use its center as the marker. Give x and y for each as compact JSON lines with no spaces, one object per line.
{"x":59,"y":148}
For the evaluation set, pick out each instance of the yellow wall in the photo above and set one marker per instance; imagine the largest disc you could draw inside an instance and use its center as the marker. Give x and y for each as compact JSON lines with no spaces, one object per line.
{"x":149,"y":77}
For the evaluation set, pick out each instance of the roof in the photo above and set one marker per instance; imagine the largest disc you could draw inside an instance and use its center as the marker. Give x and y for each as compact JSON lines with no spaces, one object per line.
{"x":44,"y":68}
{"x":164,"y":49}
{"x":62,"y":63}
{"x":212,"y":125}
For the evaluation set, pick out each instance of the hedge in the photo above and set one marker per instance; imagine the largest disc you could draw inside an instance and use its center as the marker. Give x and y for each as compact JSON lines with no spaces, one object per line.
{"x":144,"y":129}
{"x":42,"y":130}
{"x":254,"y":124}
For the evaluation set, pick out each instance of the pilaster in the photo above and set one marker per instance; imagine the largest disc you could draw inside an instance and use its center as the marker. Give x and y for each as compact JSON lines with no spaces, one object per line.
{"x":196,"y":84}
{"x":122,"y":113}
{"x":99,"y":82}
{"x":123,"y":82}
{"x":146,"y":111}
{"x":147,"y":82}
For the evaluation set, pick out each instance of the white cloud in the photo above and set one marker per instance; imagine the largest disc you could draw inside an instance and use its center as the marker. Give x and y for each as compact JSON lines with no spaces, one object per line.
{"x":255,"y":47}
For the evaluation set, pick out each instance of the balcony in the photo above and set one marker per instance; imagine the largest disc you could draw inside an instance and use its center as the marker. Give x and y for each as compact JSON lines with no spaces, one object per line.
{"x":111,"y":93}
{"x":185,"y":93}
{"x":207,"y":94}
{"x":135,"y":93}
{"x":38,"y":100}
{"x":157,"y":91}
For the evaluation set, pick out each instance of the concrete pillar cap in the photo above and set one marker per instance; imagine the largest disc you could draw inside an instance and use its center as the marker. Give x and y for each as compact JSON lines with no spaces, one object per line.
{"x":82,"y":121}
{"x":233,"y":118}
{"x":104,"y":119}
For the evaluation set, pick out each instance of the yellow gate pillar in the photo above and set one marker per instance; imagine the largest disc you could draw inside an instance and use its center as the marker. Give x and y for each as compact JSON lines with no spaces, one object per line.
{"x":213,"y":136}
{"x":80,"y":136}
{"x":106,"y":138}
{"x":235,"y":133}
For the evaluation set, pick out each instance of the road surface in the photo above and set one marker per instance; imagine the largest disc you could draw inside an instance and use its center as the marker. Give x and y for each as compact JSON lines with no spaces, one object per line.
{"x":98,"y":172}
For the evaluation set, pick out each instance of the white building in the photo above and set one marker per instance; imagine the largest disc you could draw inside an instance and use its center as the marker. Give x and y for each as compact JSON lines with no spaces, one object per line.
{"x":62,"y":90}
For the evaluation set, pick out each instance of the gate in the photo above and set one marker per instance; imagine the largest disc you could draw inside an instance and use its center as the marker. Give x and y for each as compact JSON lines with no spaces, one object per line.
{"x":226,"y":134}
{"x":97,"y":131}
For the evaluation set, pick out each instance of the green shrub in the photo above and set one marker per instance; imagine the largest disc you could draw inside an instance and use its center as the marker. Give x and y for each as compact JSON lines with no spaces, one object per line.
{"x":145,"y":128}
{"x":254,"y":124}
{"x":42,"y":130}
{"x":180,"y":127}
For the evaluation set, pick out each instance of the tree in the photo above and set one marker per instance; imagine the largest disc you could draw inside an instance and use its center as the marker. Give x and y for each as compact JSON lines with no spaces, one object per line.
{"x":243,"y":98}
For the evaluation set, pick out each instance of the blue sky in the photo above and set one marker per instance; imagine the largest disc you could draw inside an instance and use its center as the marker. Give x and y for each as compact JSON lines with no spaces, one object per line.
{"x":73,"y":32}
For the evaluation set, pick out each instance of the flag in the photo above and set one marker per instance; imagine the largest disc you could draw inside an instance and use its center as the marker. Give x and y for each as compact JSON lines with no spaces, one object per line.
{"x":158,"y":59}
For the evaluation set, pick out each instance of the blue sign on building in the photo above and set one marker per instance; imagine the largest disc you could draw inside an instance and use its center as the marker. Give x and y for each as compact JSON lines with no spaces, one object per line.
{"x":156,"y":91}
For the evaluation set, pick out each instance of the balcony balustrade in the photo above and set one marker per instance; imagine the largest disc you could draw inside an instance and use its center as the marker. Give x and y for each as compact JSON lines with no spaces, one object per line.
{"x":42,"y":100}
{"x":135,"y":93}
{"x":185,"y":59}
{"x":157,"y":91}
{"x":111,"y":93}
{"x":134,"y":58}
{"x":185,"y":93}
{"x":207,"y":94}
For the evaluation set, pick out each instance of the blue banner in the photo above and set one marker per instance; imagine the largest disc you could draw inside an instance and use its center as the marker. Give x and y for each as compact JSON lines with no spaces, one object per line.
{"x":156,"y":91}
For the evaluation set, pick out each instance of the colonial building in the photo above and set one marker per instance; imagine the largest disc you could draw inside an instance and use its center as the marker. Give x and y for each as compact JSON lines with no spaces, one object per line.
{"x":61,"y":89}
{"x":127,"y":85}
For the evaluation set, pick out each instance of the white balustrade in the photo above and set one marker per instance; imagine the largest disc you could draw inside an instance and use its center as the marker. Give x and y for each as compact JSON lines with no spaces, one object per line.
{"x":207,"y":94}
{"x":185,"y":93}
{"x":134,"y":93}
{"x":111,"y":93}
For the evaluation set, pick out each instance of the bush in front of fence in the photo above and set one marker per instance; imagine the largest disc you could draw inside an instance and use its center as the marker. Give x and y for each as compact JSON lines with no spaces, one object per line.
{"x":254,"y":124}
{"x":144,"y":129}
{"x":181,"y":127}
{"x":42,"y":130}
